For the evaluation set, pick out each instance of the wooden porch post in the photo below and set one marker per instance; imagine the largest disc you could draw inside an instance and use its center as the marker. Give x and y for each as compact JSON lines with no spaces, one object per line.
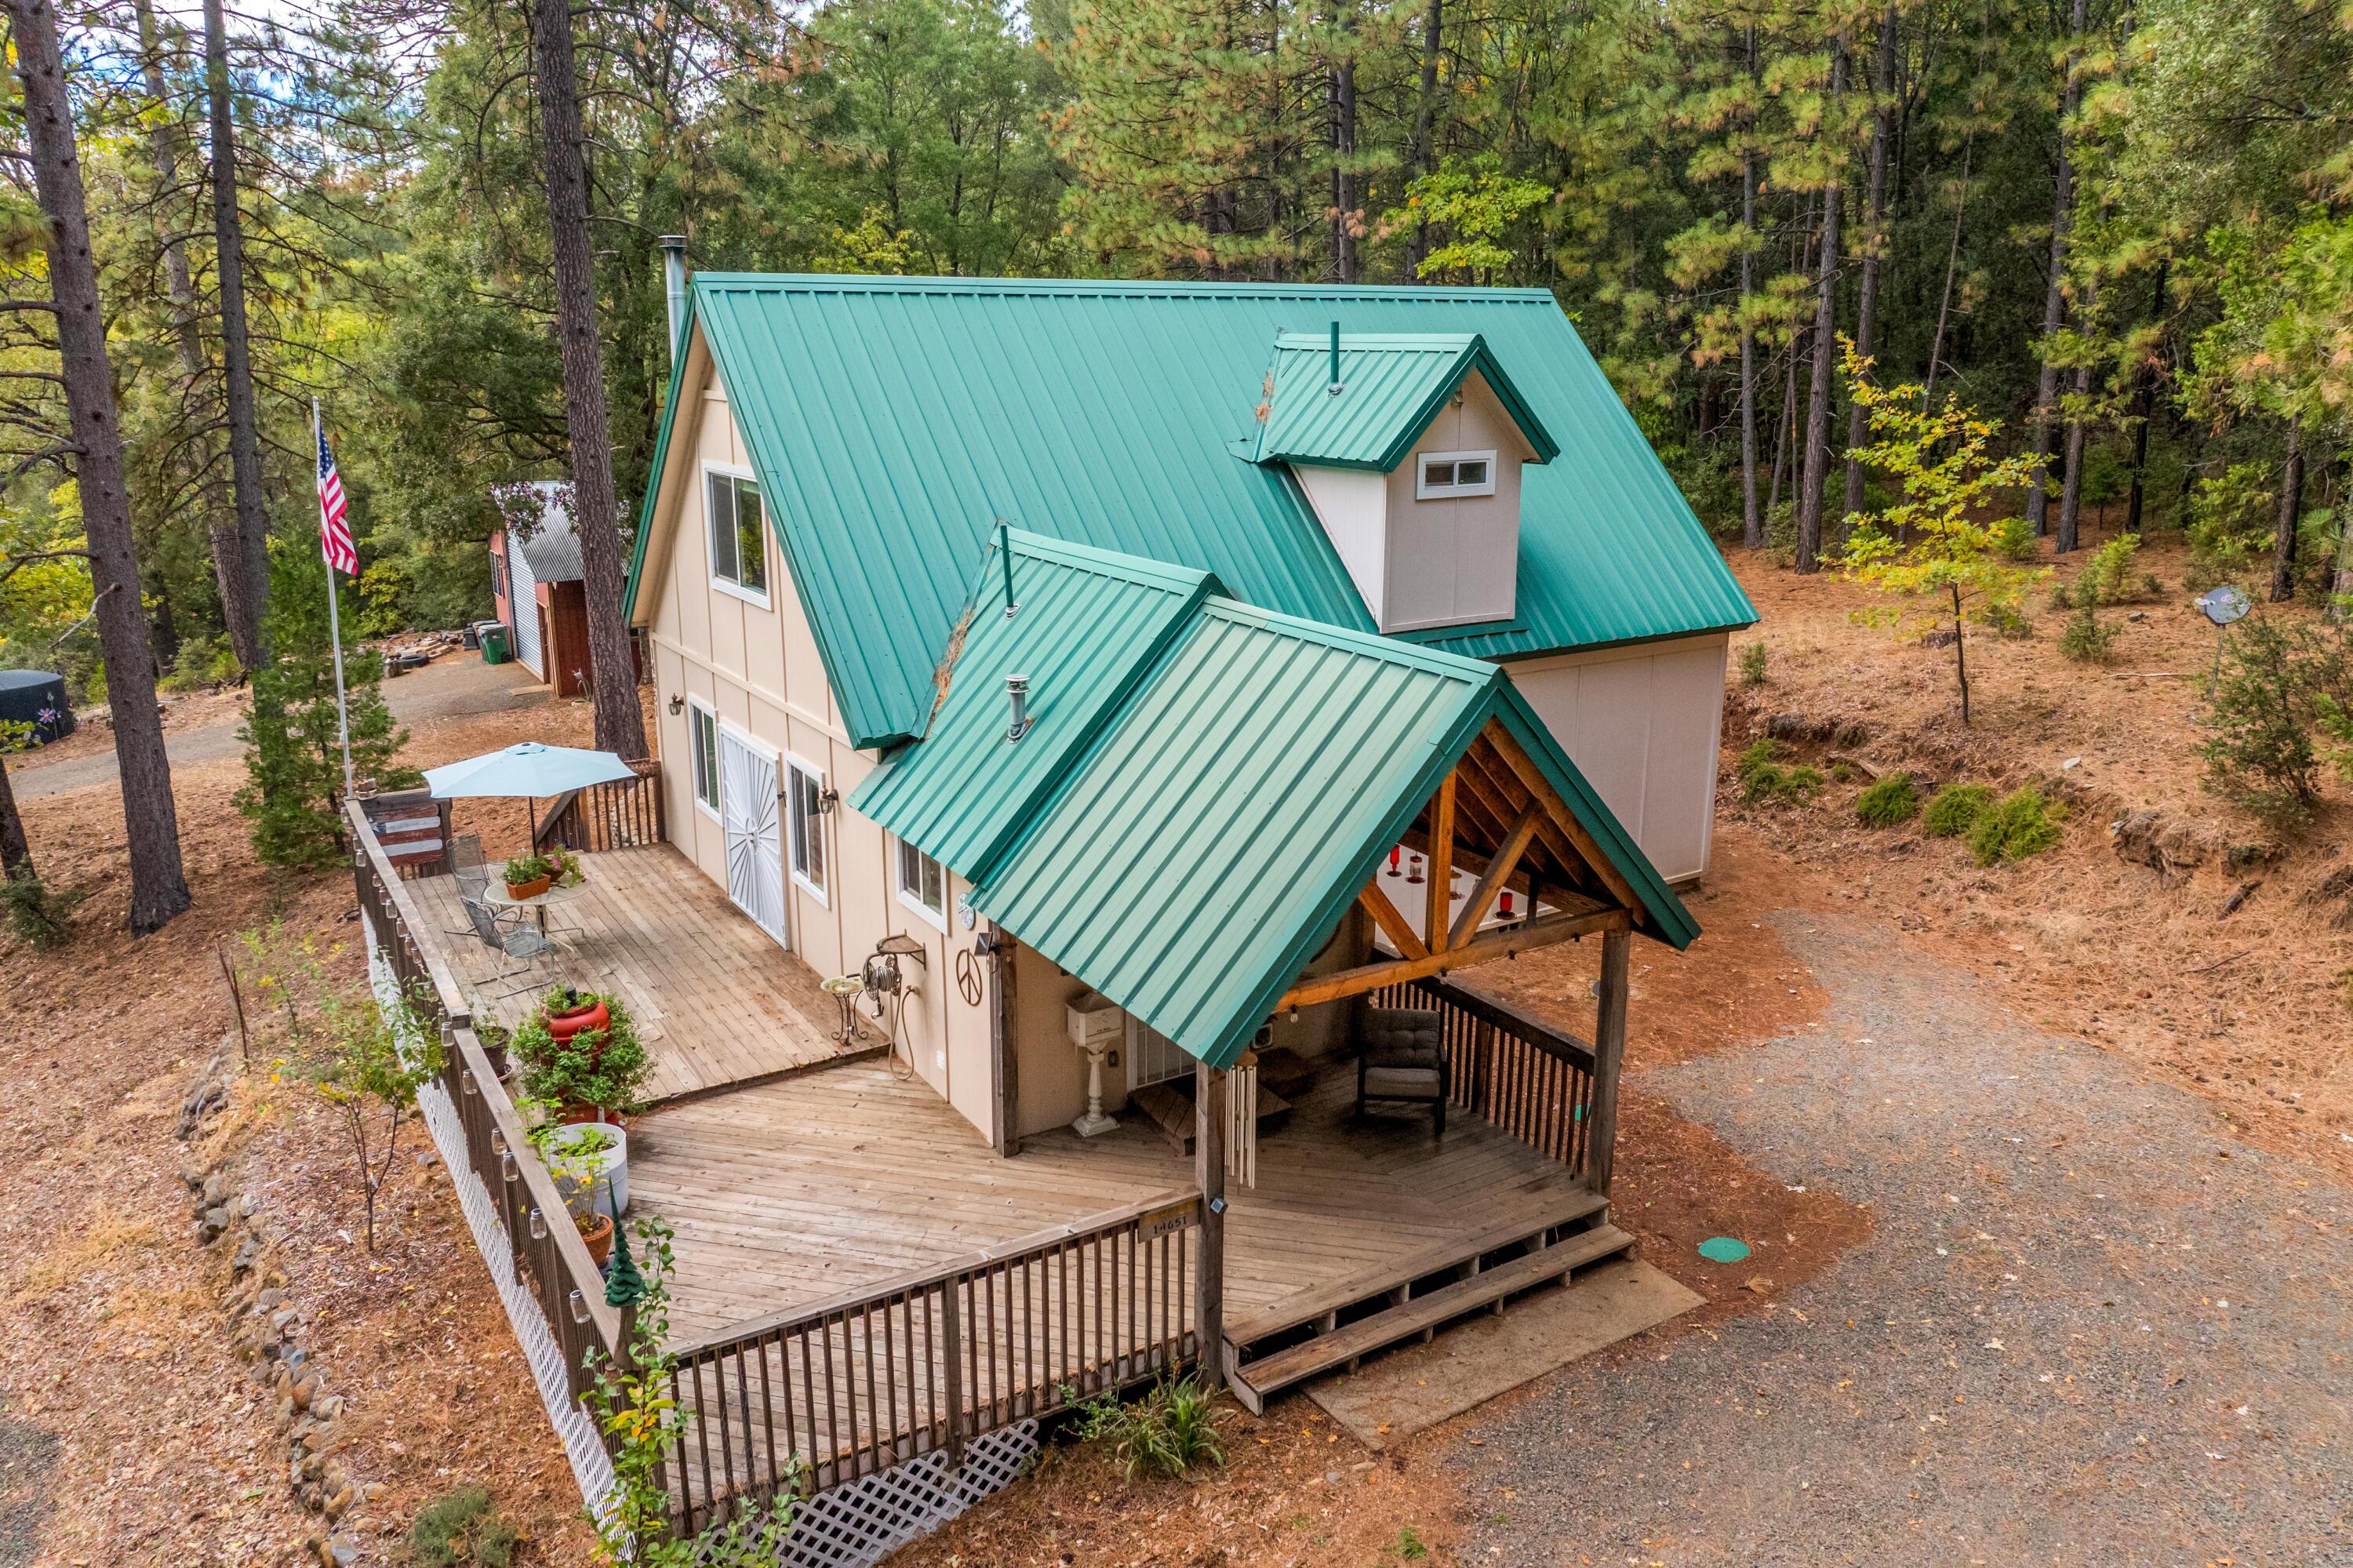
{"x":1004,"y":1047}
{"x":1609,"y":1050}
{"x":1209,"y":1175}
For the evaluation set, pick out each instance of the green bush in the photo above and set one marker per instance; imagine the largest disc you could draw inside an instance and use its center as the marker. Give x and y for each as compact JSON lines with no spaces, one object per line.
{"x":2229,"y":526}
{"x":41,"y":920}
{"x":2022,"y":824}
{"x":2280,"y":684}
{"x":2014,"y":540}
{"x":1890,"y":803}
{"x":605,"y":1069}
{"x":2115,"y":575}
{"x":2085,"y":640}
{"x":462,"y":1531}
{"x":1764,"y":781}
{"x":1166,"y":1432}
{"x":199,"y":663}
{"x":1955,"y":810}
{"x":1752,"y":665}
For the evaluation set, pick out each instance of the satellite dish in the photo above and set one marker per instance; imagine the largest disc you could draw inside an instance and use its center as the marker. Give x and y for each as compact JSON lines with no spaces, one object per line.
{"x":2223,"y":605}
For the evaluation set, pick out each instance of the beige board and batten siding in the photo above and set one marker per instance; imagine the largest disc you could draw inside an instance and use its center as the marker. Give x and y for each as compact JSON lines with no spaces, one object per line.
{"x":757,"y":667}
{"x":1642,"y":723}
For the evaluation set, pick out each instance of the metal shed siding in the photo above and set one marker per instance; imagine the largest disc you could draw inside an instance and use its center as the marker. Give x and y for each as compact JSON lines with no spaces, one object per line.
{"x":1108,"y":413}
{"x":522,"y":602}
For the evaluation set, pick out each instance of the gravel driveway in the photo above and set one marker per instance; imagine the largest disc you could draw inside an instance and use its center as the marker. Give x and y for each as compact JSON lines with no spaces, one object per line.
{"x":2089,"y":1327}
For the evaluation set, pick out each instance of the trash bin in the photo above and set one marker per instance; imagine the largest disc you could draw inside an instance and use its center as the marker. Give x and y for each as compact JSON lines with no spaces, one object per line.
{"x":495,"y":645}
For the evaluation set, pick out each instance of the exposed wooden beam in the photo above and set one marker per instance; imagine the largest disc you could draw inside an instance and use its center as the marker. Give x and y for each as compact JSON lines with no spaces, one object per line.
{"x":1608,"y":1052}
{"x":1210,"y":1087}
{"x":1392,"y":921}
{"x":1532,"y":777}
{"x":1441,"y":892}
{"x":1484,"y":768}
{"x":1485,"y":950}
{"x":1483,"y":897}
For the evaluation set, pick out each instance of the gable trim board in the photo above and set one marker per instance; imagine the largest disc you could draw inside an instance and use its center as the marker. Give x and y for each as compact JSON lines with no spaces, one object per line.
{"x":1186,"y":829}
{"x":1106,"y":413}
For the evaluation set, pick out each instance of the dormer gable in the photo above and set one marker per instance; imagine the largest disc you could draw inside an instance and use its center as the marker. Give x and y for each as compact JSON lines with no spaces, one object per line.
{"x":1408,"y":447}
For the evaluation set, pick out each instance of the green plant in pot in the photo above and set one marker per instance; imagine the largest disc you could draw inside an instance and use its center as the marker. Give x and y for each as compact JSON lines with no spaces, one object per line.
{"x":589,"y":1163}
{"x":591,"y":1074}
{"x":528,"y":875}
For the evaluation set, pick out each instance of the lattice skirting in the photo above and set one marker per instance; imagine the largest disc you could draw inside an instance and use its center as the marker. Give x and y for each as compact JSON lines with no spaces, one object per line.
{"x":591,"y":1466}
{"x":861,"y":1522}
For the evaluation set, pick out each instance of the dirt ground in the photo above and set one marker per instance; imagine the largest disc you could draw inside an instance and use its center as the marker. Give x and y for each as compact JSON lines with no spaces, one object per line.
{"x":129,"y":1433}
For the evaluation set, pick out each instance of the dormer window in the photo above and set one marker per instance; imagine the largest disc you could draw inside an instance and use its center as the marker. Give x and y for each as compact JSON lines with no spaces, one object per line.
{"x":1445,"y":475}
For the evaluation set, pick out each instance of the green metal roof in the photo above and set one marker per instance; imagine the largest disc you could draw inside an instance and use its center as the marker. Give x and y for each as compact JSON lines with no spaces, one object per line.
{"x":1390,"y":387}
{"x":894,"y":421}
{"x":1205,"y":786}
{"x":1090,"y":624}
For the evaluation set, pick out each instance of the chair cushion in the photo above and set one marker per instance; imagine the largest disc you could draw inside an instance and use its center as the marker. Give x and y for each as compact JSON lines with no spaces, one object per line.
{"x":1400,"y":1082}
{"x":1401,"y":1037}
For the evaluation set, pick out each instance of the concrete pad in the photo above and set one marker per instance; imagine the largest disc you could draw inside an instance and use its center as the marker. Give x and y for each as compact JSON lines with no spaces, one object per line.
{"x":1396,"y":1395}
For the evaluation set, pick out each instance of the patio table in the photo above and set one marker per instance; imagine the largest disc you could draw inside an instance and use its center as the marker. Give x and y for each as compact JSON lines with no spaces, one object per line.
{"x":497,"y":896}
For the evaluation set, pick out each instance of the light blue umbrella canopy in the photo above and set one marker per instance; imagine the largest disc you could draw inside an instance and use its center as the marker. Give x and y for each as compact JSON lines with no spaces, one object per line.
{"x":526,"y":768}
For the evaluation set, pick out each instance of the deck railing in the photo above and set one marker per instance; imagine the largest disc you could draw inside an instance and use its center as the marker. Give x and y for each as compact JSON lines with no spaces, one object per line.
{"x":1531,"y":1081}
{"x":811,"y":1399}
{"x":624,"y":814}
{"x":548,"y":1251}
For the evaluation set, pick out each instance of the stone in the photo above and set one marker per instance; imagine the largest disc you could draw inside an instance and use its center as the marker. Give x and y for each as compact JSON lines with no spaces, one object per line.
{"x":282,"y":1318}
{"x":269,"y":1300}
{"x":302,"y":1392}
{"x":248,"y":1252}
{"x":328,"y":1406}
{"x":338,"y":1503}
{"x":214,"y":1220}
{"x":343,"y":1550}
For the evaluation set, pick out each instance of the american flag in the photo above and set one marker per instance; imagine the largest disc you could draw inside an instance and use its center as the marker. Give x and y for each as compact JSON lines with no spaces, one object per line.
{"x":334,"y":533}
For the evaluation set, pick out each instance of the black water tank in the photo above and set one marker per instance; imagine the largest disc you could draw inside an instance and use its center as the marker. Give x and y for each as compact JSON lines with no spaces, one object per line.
{"x":27,"y":695}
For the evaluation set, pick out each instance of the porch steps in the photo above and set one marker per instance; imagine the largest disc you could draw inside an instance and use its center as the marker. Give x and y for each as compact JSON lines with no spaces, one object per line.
{"x":1171,"y":1110}
{"x":1254,"y":1381}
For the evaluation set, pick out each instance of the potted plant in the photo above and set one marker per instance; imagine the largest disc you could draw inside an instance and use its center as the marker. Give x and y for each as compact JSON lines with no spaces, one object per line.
{"x":527,"y":876}
{"x":589,"y":1164}
{"x":563,"y":866}
{"x":592,"y":1073}
{"x":569,"y":1011}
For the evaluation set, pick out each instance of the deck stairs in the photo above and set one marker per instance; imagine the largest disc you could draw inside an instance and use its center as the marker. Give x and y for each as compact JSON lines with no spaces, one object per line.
{"x":1331,"y":1328}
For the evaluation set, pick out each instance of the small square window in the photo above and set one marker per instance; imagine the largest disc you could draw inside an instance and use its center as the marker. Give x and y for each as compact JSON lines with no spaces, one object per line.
{"x":1468,"y":473}
{"x":1444,"y":476}
{"x":1438,"y":473}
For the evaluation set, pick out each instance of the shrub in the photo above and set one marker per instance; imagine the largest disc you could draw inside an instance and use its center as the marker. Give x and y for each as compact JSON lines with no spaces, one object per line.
{"x":2229,"y":526}
{"x":2115,"y":575}
{"x":200,"y":663}
{"x":1166,"y":1432}
{"x":1955,"y":810}
{"x":2085,"y":639}
{"x":1764,"y":781}
{"x":462,"y":1531}
{"x":1752,"y":665}
{"x":41,"y":920}
{"x":1890,"y":803}
{"x":1842,"y":772}
{"x":2279,"y":683}
{"x":2022,"y":824}
{"x":2013,"y":540}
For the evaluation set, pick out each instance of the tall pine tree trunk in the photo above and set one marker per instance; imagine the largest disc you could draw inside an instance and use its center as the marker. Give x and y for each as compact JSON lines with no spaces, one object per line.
{"x":159,"y":889}
{"x":2145,"y":407}
{"x":15,"y":850}
{"x":1751,"y":521}
{"x":1952,"y":265}
{"x":1343,"y":107}
{"x":1866,"y":302}
{"x":1425,"y":126}
{"x":620,"y":723}
{"x":2069,"y":532}
{"x":1818,"y":401}
{"x":240,"y":615}
{"x":236,"y":352}
{"x":2291,"y":512}
{"x":2062,"y":212}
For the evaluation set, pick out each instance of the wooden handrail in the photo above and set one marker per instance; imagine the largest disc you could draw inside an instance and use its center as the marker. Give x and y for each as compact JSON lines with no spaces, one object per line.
{"x":1487,"y":1009}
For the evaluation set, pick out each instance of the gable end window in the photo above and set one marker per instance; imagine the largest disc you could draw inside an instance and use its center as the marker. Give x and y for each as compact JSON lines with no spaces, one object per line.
{"x":739,"y":534}
{"x":1444,"y":475}
{"x":703,"y":741}
{"x":922,"y":884}
{"x":804,"y":822}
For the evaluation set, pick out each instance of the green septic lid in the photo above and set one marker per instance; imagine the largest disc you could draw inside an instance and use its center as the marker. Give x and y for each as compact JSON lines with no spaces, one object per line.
{"x":1723,"y":1249}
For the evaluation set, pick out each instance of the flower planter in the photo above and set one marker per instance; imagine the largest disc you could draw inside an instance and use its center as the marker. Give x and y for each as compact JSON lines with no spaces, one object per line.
{"x":609,"y":1186}
{"x":564,"y":1026}
{"x":598,"y":1236}
{"x":520,"y":891}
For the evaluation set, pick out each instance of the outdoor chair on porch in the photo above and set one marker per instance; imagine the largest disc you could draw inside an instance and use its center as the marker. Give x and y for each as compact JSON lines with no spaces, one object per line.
{"x":1401,"y":1055}
{"x":520,"y":941}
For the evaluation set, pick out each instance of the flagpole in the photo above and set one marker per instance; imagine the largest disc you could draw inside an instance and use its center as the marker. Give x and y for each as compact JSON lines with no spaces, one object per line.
{"x":334,"y":623}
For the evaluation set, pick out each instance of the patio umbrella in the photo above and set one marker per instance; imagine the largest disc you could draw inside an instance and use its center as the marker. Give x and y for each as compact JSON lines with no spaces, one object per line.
{"x":526,"y":768}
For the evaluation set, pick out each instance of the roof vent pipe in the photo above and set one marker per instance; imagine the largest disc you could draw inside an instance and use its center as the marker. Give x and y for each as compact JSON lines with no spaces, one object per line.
{"x":673,"y":247}
{"x":1335,"y":386}
{"x":1017,"y":687}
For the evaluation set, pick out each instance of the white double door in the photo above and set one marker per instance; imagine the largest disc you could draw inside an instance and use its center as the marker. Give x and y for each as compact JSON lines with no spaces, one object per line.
{"x":753,"y":824}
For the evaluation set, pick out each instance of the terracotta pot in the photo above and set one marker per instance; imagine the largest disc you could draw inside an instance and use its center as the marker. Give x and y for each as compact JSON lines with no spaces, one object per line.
{"x":533,"y":889}
{"x":597,"y":1232}
{"x":576,"y":1112}
{"x":564,"y":1026}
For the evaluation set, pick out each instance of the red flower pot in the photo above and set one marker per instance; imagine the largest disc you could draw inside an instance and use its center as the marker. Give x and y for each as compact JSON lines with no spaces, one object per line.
{"x":564,"y":1026}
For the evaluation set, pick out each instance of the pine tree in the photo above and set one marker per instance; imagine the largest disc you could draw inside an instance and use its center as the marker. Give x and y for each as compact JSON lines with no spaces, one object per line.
{"x":294,"y":764}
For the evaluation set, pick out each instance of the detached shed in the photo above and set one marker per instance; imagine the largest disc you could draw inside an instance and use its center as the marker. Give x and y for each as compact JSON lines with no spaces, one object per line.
{"x":536,"y":582}
{"x":36,"y":697}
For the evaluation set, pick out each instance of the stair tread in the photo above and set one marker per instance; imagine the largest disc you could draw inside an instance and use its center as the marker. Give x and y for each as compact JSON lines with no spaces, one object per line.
{"x":1387,"y":1327}
{"x":1306,"y":1305}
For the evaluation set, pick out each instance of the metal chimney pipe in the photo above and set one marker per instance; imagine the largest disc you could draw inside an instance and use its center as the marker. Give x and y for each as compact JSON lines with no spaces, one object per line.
{"x":1017,"y":687}
{"x":1335,"y":386}
{"x":674,"y":282}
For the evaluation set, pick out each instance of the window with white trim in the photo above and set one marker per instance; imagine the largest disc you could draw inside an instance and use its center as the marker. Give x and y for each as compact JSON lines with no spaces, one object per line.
{"x":805,"y":823}
{"x":703,"y":741}
{"x":739,"y":534}
{"x":923,"y":884}
{"x":1444,"y":475}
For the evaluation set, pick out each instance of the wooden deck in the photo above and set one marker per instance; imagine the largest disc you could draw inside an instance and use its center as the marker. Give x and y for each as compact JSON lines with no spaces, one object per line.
{"x":716,"y":1000}
{"x":805,"y":1190}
